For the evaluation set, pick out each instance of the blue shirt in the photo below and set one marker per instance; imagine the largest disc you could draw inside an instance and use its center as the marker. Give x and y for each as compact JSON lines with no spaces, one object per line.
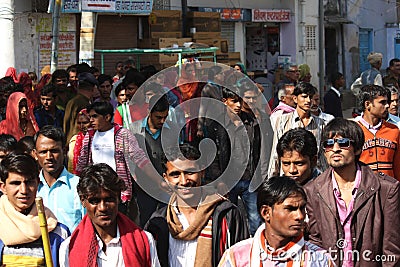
{"x":145,"y":125}
{"x":62,"y":198}
{"x":44,"y":118}
{"x":394,"y":119}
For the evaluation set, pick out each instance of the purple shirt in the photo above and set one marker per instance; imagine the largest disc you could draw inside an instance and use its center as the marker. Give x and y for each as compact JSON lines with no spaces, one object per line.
{"x":346,"y":215}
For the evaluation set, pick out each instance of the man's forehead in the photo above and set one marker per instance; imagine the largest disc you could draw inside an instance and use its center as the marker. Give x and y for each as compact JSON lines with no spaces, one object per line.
{"x":183,"y":165}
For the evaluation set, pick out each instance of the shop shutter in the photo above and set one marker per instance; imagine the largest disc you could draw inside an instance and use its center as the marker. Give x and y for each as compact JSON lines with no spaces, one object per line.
{"x":228,"y":32}
{"x":115,"y":32}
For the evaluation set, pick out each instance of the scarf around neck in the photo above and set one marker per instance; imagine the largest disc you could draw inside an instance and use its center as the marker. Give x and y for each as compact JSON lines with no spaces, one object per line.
{"x":84,"y":247}
{"x":19,"y":228}
{"x":259,"y":251}
{"x":201,"y":228}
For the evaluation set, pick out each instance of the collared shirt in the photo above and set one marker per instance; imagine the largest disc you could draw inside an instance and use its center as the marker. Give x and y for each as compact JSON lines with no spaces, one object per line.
{"x":145,"y":125}
{"x":44,"y":117}
{"x":182,"y":252}
{"x":346,"y":215}
{"x":113,"y":255}
{"x":373,"y":129}
{"x":335,"y":90}
{"x":62,"y":198}
{"x":325,"y":116}
{"x":394,"y":119}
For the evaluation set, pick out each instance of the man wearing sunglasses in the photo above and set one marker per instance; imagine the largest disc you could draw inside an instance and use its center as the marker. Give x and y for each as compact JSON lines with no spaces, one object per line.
{"x":353,"y":212}
{"x":381,"y":149}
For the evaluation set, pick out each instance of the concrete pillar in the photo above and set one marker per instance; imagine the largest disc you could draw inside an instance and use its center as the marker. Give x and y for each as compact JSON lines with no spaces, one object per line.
{"x":88,"y":29}
{"x":7,"y":36}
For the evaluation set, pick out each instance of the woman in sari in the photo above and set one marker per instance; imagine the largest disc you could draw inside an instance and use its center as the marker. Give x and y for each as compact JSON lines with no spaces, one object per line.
{"x":19,"y":120}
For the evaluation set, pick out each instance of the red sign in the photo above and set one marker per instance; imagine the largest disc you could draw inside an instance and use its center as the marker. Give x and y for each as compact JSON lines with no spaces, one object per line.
{"x":271,"y":15}
{"x":231,"y":14}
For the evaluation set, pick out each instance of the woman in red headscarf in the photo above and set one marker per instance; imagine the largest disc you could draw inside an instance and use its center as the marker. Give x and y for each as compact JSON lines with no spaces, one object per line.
{"x":19,"y":120}
{"x":12,"y":72}
{"x":189,"y":88}
{"x":26,"y":82}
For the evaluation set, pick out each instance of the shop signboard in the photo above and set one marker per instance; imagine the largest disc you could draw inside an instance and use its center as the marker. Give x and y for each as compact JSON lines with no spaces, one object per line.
{"x":66,"y":41}
{"x":270,"y":15}
{"x":108,"y":6}
{"x":229,"y":14}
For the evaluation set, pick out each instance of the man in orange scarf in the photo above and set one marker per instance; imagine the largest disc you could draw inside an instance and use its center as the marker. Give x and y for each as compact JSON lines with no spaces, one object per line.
{"x":279,"y":241}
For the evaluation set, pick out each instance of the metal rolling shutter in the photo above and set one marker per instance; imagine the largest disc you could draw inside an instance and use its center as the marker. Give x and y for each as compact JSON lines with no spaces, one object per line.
{"x":115,"y":32}
{"x":228,"y":32}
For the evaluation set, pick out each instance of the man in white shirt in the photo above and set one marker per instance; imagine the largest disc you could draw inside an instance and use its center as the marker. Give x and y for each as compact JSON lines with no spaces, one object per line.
{"x":286,"y":103}
{"x":106,"y":237}
{"x":316,"y":110}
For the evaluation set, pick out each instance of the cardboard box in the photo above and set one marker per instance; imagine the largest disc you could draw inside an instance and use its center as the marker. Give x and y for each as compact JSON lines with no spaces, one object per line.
{"x":222,"y":44}
{"x":205,"y":35}
{"x":165,"y":35}
{"x":161,"y":21}
{"x":234,"y":55}
{"x":204,"y":21}
{"x":159,"y":58}
{"x":157,"y":43}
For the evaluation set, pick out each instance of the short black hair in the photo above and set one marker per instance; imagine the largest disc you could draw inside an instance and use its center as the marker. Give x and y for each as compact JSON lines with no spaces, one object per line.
{"x":153,"y":87}
{"x":103,"y":78}
{"x":214,"y":70}
{"x":60,"y":73}
{"x":346,"y":129}
{"x":99,"y":176}
{"x":393,"y":61}
{"x":304,"y":88}
{"x":246,"y":84}
{"x":300,"y":140}
{"x":184,"y":152}
{"x":25,"y":145}
{"x":371,"y":91}
{"x":232,"y":93}
{"x":22,"y":164}
{"x":134,"y":77}
{"x":276,"y":189}
{"x":335,"y":76}
{"x":52,"y":133}
{"x":101,"y":107}
{"x":119,"y":88}
{"x":158,"y":103}
{"x":49,"y":89}
{"x":7,"y":142}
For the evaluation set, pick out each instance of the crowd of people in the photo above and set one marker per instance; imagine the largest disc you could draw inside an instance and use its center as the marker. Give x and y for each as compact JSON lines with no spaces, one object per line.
{"x":128,"y":177}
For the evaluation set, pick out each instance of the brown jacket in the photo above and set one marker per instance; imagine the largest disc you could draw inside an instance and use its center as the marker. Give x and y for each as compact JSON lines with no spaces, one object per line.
{"x":375,"y":224}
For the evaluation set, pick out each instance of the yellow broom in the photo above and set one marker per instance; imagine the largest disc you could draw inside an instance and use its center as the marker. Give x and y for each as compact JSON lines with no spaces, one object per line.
{"x":45,"y":232}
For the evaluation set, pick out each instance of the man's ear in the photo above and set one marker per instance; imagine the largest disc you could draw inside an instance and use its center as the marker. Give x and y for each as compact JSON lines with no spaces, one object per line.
{"x":367,"y":104}
{"x":83,"y":201}
{"x":35,"y":153}
{"x":266,"y":213}
{"x":224,"y":101}
{"x":295,"y":99}
{"x":108,"y":117}
{"x":3,"y":188}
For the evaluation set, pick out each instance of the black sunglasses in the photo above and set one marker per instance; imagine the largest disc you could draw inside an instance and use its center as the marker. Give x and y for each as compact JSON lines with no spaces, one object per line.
{"x":342,"y":142}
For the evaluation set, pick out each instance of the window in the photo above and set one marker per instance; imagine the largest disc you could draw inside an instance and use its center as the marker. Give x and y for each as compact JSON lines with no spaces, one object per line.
{"x":161,"y":4}
{"x":311,"y":43}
